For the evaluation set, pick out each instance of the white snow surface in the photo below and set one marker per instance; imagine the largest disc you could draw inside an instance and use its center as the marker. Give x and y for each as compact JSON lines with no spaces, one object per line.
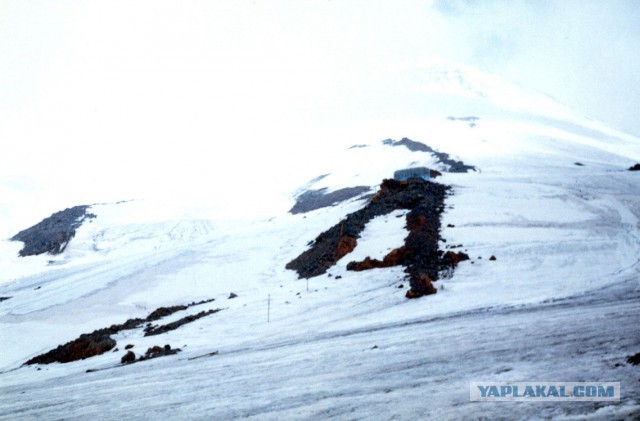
{"x":560,"y":303}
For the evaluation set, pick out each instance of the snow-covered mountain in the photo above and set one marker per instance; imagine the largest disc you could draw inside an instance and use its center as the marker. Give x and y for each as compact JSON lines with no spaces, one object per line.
{"x":551,"y":198}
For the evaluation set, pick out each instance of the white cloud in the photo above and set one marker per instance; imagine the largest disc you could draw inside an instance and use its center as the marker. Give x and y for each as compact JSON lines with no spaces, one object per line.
{"x":104,"y":100}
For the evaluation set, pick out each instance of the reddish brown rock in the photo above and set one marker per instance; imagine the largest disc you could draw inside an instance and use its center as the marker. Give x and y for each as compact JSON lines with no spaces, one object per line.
{"x":394,"y":258}
{"x":345,"y":246}
{"x":154,"y":350}
{"x":161,"y":312}
{"x":100,"y":341}
{"x":366,"y":264}
{"x":420,"y":254}
{"x":129,"y":357}
{"x":87,"y":345}
{"x":152,"y":330}
{"x":452,"y":259}
{"x":421,"y":287}
{"x":416,"y":222}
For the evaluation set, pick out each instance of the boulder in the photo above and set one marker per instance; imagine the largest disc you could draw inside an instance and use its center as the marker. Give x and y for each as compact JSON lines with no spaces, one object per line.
{"x":128,"y":358}
{"x":421,"y":287}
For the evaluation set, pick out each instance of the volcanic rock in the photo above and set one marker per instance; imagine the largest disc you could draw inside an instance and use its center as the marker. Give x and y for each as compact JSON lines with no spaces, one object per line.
{"x":127,"y":358}
{"x":52,"y":234}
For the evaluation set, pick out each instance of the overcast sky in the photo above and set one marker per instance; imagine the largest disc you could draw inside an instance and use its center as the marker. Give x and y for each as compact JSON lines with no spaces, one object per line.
{"x":103,"y":99}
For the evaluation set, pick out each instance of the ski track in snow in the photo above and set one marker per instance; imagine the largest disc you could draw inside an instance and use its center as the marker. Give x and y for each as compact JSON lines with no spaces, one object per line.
{"x":560,"y":303}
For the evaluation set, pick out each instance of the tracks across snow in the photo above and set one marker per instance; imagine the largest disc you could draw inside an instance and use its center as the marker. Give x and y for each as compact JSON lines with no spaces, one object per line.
{"x":559,"y":304}
{"x":363,"y":371}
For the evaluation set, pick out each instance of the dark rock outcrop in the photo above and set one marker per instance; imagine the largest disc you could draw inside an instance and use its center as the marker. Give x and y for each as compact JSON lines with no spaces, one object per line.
{"x":635,"y":167}
{"x":420,"y":287}
{"x":87,"y":345}
{"x":161,"y":312}
{"x":444,"y":158}
{"x":52,"y":234}
{"x":157,"y":330}
{"x":100,"y":341}
{"x":419,"y":254}
{"x":153,"y":352}
{"x":451,"y":259}
{"x":127,"y":358}
{"x":157,"y":351}
{"x":412,"y":145}
{"x":316,"y":199}
{"x":337,"y":241}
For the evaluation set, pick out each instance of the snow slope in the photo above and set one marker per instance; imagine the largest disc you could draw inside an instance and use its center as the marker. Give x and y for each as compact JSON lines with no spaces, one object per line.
{"x":560,"y":303}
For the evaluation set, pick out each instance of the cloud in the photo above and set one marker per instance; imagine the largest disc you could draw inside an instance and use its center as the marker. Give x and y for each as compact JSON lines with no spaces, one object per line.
{"x":580,"y":52}
{"x":110,"y":96}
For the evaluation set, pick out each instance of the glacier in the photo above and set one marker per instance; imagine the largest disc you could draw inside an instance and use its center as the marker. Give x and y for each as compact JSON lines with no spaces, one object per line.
{"x":559,"y":303}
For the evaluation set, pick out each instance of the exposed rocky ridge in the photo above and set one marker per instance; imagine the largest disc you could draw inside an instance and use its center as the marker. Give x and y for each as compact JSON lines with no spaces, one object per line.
{"x":100,"y":341}
{"x":310,"y":199}
{"x":52,"y":234}
{"x":152,"y":352}
{"x":444,"y":158}
{"x":420,"y":254}
{"x":635,"y":167}
{"x":316,"y":199}
{"x":157,"y":330}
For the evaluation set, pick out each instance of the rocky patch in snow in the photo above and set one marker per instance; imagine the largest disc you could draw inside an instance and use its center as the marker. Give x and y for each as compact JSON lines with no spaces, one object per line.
{"x":443,"y":158}
{"x":634,"y":167}
{"x":434,"y":173}
{"x":451,"y":259}
{"x":52,"y":234}
{"x":420,"y":254}
{"x":151,"y":330}
{"x":316,"y":199}
{"x":86,"y":346}
{"x":153,"y":352}
{"x":634,"y":359}
{"x":100,"y":341}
